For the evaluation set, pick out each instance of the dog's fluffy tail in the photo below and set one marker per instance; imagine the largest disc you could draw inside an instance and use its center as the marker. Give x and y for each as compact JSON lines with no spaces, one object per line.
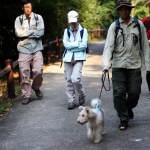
{"x":96,"y":101}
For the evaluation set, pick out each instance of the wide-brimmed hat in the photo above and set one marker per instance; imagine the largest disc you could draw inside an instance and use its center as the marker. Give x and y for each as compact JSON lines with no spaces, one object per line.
{"x":124,"y":3}
{"x":73,"y":16}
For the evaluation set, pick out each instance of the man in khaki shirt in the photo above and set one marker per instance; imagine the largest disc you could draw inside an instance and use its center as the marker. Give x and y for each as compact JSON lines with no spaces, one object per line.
{"x":124,"y":52}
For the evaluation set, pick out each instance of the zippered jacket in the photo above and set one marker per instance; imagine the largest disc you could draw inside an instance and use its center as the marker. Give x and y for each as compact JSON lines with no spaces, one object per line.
{"x":72,"y":47}
{"x":130,"y":55}
{"x":29,"y":41}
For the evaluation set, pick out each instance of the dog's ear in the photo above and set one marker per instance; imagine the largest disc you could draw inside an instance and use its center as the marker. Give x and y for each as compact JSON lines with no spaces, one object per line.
{"x":90,"y":113}
{"x":87,"y":110}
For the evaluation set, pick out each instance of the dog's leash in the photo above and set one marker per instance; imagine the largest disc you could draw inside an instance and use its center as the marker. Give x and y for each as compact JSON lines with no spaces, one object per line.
{"x":103,"y":86}
{"x":103,"y":82}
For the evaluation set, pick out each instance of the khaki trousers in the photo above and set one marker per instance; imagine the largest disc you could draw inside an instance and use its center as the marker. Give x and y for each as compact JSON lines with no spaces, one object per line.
{"x":24,"y":67}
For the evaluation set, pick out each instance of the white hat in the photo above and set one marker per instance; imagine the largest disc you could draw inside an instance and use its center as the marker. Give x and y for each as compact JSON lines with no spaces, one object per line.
{"x":73,"y":16}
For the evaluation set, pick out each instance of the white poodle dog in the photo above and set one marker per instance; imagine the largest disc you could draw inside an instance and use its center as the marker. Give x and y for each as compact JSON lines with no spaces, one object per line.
{"x":94,"y":119}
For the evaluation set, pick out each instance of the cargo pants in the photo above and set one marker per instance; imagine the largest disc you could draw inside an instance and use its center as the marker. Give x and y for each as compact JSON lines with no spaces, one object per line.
{"x":24,"y":67}
{"x":126,"y":90}
{"x":73,"y":75}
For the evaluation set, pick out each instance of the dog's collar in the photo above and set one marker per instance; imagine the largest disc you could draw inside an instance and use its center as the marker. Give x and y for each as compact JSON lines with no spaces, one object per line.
{"x":97,"y":105}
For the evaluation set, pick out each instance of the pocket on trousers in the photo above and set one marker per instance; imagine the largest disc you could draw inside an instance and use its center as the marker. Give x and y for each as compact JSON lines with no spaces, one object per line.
{"x":65,"y":76}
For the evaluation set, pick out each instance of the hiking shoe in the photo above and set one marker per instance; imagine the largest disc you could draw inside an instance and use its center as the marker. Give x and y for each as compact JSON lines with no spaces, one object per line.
{"x":25,"y":101}
{"x":123,"y":125}
{"x":71,"y":106}
{"x":81,"y":100}
{"x":131,"y":114}
{"x":38,"y":93}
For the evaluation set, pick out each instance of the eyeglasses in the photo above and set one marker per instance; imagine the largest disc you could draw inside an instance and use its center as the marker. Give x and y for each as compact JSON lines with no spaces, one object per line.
{"x":27,"y":7}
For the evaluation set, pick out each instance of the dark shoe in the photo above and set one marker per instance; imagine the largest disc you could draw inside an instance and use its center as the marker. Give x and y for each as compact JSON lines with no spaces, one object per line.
{"x":71,"y":106}
{"x":25,"y":101}
{"x":123,"y":125}
{"x":81,"y":100}
{"x":131,"y":114}
{"x":38,"y":93}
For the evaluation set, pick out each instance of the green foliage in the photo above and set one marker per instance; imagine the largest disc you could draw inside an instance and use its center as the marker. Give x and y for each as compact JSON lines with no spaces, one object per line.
{"x":54,"y":14}
{"x":141,"y":11}
{"x":92,"y":13}
{"x":108,"y":8}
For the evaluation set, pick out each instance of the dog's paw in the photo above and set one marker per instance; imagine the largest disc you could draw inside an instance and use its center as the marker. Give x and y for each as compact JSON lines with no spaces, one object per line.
{"x":97,"y":141}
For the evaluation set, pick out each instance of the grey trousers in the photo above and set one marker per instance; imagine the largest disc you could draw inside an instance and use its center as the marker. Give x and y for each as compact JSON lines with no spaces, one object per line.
{"x":73,"y":75}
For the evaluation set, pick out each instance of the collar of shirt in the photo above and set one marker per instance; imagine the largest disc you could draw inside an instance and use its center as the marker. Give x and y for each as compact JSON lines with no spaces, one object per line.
{"x":75,"y":32}
{"x":130,"y":21}
{"x":24,"y":16}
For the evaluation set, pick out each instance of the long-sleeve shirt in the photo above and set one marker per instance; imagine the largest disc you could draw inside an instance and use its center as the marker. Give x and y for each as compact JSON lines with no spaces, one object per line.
{"x":129,"y":55}
{"x":29,"y":33}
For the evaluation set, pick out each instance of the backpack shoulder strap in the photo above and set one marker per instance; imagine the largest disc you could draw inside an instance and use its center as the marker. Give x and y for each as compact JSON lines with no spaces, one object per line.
{"x":21,"y":19}
{"x":139,"y":28}
{"x":36,"y":18}
{"x":68,"y":32}
{"x":82,"y":32}
{"x":117,"y":28}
